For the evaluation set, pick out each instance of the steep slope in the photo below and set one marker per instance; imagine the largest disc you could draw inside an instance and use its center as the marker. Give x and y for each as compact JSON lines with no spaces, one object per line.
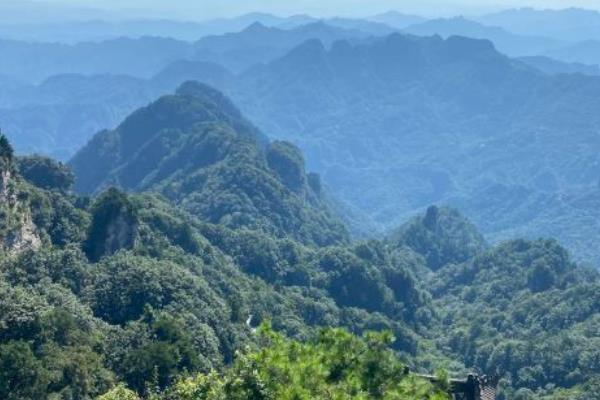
{"x":526,"y":311}
{"x":129,"y":288}
{"x":56,"y":116}
{"x":442,"y":236}
{"x":196,"y":149}
{"x":134,"y":289}
{"x":17,"y":231}
{"x":402,"y":122}
{"x":521,"y":309}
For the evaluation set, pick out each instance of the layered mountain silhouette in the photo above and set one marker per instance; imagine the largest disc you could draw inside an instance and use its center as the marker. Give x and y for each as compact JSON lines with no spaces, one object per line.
{"x":260,"y":44}
{"x":397,"y":123}
{"x":569,"y":24}
{"x":197,"y":150}
{"x":506,"y":42}
{"x":401,"y":122}
{"x":143,"y":57}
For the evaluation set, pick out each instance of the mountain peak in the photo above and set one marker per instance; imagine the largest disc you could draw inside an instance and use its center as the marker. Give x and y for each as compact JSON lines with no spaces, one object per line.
{"x":257,"y":27}
{"x":311,"y":51}
{"x":197,"y":149}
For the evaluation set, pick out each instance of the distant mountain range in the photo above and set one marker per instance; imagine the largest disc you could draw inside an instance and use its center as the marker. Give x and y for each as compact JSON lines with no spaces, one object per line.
{"x":394,"y":123}
{"x":397,"y":20}
{"x":142,"y":48}
{"x":144,"y":57}
{"x":506,"y":42}
{"x":260,"y":44}
{"x":401,"y":122}
{"x":553,"y":67}
{"x":572,"y":24}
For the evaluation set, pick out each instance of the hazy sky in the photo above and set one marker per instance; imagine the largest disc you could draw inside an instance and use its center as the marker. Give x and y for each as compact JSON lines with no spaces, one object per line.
{"x":205,"y":9}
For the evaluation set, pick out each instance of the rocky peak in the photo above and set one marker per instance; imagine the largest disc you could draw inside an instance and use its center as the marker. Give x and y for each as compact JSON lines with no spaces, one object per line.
{"x":17,"y":230}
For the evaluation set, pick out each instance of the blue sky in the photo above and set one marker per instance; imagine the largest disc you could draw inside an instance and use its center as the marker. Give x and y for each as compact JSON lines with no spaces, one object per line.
{"x":206,"y":9}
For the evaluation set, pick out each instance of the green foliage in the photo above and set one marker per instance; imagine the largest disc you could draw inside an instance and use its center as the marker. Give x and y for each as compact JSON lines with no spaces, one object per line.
{"x":119,"y":393}
{"x":524,"y":310}
{"x":6,"y":152}
{"x":287,"y":161}
{"x":197,"y":150}
{"x":46,"y":173}
{"x":161,"y":360}
{"x":22,"y":376}
{"x":156,"y":290}
{"x":113,"y":226}
{"x":333,"y":365}
{"x":442,"y":236}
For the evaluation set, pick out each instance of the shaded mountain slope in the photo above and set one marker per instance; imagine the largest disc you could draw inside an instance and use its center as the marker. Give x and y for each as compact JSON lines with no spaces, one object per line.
{"x":403,"y":122}
{"x":196,"y":149}
{"x":134,"y":289}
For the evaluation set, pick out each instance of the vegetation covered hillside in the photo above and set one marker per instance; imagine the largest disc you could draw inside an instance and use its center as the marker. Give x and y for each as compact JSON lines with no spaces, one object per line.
{"x":197,"y":150}
{"x":155,"y":289}
{"x":395,"y":124}
{"x":127,"y":289}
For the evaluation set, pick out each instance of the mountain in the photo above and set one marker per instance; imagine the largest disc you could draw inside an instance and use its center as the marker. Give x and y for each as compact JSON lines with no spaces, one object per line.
{"x":520,"y":306}
{"x":56,"y":116}
{"x":260,"y":44}
{"x":443,"y":236}
{"x":33,"y":12}
{"x":131,"y":294}
{"x":453,"y":99}
{"x":196,"y":149}
{"x":571,"y":24}
{"x":506,"y":42}
{"x":585,"y":52}
{"x":133,"y":289}
{"x":553,"y":67}
{"x":397,"y":19}
{"x":143,"y":57}
{"x":402,"y":122}
{"x":371,"y":27}
{"x":96,"y":30}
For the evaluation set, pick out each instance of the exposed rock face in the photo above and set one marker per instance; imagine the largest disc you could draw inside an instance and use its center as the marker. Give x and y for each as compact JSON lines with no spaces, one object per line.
{"x":114,"y":225}
{"x":120,"y":234}
{"x":4,"y":180}
{"x":17,"y":230}
{"x":24,"y":238}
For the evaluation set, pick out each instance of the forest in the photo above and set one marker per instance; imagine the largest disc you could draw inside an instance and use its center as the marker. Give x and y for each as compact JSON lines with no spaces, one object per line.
{"x":185,"y":256}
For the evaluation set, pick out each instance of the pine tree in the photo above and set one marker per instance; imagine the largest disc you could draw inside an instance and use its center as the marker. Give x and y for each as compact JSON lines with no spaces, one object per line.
{"x":6,"y":150}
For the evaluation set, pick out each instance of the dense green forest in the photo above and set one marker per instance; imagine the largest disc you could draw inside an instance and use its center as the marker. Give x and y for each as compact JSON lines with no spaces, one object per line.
{"x":201,"y":261}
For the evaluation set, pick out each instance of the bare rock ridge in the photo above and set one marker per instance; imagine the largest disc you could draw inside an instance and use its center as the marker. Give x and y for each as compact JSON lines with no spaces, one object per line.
{"x":17,"y":230}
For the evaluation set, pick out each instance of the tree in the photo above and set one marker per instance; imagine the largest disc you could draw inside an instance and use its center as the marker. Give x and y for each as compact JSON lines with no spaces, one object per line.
{"x":6,"y":150}
{"x":46,"y":173}
{"x":22,"y":376}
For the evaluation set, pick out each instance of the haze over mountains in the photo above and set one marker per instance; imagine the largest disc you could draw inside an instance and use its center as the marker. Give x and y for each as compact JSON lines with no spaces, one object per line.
{"x":223,"y":229}
{"x":238,"y":200}
{"x":383,"y":118}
